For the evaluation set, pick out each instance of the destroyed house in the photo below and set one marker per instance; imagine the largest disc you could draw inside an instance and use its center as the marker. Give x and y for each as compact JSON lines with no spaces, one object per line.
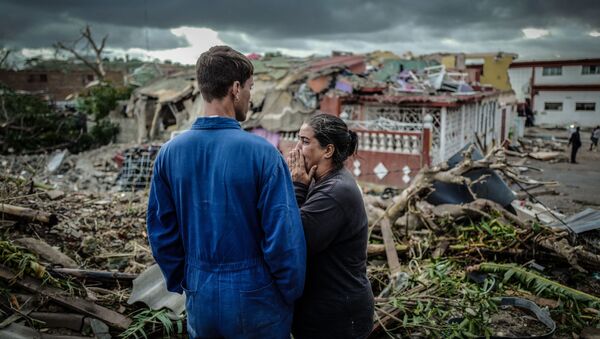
{"x":404,"y":121}
{"x":398,"y":135}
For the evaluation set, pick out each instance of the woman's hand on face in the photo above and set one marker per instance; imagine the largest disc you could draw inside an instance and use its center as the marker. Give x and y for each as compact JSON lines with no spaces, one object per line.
{"x":295,"y":161}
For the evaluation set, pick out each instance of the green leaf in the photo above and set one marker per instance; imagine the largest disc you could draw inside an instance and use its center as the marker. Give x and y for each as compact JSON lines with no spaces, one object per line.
{"x":507,"y":275}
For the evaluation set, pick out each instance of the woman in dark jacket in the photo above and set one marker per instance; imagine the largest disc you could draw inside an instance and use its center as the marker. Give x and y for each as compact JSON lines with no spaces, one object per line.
{"x":337,"y":301}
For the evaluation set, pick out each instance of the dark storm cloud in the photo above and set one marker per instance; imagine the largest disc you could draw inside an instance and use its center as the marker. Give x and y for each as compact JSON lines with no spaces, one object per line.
{"x":254,"y":25}
{"x":26,"y":25}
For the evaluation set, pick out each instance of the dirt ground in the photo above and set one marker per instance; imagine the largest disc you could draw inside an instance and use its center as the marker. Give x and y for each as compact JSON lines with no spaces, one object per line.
{"x":579,"y":183}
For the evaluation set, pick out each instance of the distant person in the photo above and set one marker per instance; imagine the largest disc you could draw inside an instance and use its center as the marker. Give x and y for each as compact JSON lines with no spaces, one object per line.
{"x":575,"y":142}
{"x":223,"y":221}
{"x":529,"y":117}
{"x":595,"y":136}
{"x":337,"y":301}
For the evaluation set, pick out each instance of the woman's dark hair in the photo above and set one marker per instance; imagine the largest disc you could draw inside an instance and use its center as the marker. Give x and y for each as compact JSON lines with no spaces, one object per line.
{"x":218,"y":68}
{"x":329,"y":129}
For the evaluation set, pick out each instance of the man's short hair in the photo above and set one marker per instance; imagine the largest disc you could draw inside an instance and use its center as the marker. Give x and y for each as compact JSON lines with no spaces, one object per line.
{"x":218,"y":68}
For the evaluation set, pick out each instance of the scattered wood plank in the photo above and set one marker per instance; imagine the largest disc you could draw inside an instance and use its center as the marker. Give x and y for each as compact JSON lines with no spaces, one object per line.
{"x":390,"y":246}
{"x":46,"y":252}
{"x":29,"y":306}
{"x":82,"y":306}
{"x":29,"y":214}
{"x":97,"y":275}
{"x":377,"y":249}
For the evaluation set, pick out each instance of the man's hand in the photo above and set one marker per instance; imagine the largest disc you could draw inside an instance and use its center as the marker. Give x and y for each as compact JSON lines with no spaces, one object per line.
{"x":295,"y":161}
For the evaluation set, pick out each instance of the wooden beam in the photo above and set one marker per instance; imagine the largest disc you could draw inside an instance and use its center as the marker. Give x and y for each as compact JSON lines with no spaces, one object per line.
{"x":377,"y":249}
{"x":96,"y":275}
{"x":390,"y":246}
{"x":29,"y":214}
{"x":59,"y":296}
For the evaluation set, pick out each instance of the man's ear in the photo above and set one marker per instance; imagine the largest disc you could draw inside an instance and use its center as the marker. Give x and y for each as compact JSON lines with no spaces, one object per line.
{"x":329,"y":150}
{"x":235,"y":89}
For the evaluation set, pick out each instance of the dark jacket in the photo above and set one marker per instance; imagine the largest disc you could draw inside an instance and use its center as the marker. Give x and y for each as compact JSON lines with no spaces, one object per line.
{"x":337,"y":301}
{"x":575,"y":140}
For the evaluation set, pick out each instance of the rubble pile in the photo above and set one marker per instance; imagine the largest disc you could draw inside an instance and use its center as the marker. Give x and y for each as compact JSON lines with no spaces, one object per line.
{"x":553,"y":150}
{"x":85,"y":247}
{"x":96,"y":170}
{"x":93,"y":242}
{"x":443,"y":270}
{"x":465,"y":250}
{"x":437,"y":269}
{"x":287,"y":89}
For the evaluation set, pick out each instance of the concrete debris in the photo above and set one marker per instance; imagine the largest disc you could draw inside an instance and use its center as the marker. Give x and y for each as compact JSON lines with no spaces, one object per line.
{"x":545,"y":155}
{"x":56,"y":160}
{"x":55,"y":194}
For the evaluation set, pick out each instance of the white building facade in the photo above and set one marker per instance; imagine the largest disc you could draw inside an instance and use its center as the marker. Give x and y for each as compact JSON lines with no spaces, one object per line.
{"x":561,"y":92}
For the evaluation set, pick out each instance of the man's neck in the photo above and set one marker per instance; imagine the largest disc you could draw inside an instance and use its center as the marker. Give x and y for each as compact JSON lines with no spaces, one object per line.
{"x":220,"y":108}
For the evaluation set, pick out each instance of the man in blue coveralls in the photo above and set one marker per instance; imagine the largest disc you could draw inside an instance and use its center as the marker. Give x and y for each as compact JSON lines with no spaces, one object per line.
{"x":223,"y":221}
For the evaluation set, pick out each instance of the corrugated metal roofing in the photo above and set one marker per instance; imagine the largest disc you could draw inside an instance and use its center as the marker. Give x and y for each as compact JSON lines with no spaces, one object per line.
{"x":584,"y":221}
{"x":151,"y":289}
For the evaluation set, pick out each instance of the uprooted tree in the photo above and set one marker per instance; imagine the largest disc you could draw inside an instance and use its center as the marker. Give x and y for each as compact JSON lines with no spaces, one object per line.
{"x":461,"y":260}
{"x":81,"y":47}
{"x":411,"y":207}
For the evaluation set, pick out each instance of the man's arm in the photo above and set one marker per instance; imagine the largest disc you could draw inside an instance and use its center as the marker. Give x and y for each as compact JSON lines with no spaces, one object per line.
{"x":284,"y":246}
{"x":163,"y":230}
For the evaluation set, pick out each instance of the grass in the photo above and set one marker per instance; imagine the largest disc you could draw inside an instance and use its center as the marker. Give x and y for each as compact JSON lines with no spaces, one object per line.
{"x":26,"y":263}
{"x":147,"y":322}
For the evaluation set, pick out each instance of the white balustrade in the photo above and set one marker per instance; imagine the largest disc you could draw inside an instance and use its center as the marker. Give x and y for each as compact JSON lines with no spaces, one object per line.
{"x":405,"y":144}
{"x":381,"y":142}
{"x":389,"y":143}
{"x":415,"y":147}
{"x":361,"y":143}
{"x":367,"y":141}
{"x":397,"y":143}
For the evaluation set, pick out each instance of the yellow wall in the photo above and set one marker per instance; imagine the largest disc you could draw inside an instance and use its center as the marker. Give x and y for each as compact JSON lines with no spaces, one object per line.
{"x":495,"y":72}
{"x":378,"y":57}
{"x":449,"y":61}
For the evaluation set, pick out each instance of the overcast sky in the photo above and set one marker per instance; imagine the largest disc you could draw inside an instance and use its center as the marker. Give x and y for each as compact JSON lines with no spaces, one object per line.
{"x":180,"y":30}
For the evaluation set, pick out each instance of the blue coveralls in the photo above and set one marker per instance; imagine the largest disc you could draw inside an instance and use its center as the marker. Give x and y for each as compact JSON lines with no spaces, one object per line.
{"x":224,"y":227}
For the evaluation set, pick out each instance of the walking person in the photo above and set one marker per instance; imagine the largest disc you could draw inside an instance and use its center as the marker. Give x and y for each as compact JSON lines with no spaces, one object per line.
{"x":223,"y":221}
{"x":337,"y":301}
{"x":594,"y":137}
{"x":575,"y":142}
